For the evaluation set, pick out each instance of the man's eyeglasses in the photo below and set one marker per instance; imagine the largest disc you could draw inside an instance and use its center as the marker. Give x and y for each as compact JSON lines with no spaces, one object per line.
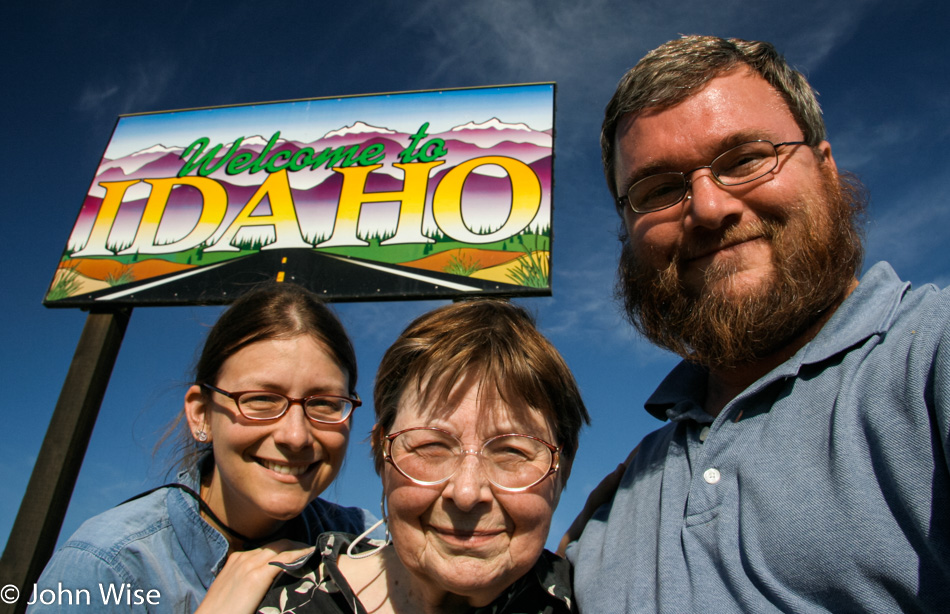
{"x":742,"y":164}
{"x":512,"y":462}
{"x":267,"y":405}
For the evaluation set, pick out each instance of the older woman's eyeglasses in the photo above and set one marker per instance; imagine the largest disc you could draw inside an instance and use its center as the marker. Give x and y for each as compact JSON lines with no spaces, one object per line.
{"x":741,"y":164}
{"x":512,"y":462}
{"x":267,"y":405}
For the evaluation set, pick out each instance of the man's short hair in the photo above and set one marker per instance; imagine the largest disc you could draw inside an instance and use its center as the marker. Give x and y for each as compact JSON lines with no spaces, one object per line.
{"x":675,"y":70}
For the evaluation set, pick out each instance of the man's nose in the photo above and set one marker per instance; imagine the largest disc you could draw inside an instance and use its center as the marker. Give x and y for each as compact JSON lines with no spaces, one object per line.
{"x":708,"y":203}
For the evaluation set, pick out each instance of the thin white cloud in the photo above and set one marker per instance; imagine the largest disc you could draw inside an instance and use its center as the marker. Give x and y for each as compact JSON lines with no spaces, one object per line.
{"x":572,"y":39}
{"x":904,"y":233}
{"x":858,"y":146}
{"x":92,"y":96}
{"x":139,"y":90}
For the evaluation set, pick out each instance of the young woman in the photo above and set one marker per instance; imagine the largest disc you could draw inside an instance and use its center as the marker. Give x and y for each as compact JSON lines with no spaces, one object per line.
{"x":263,"y":432}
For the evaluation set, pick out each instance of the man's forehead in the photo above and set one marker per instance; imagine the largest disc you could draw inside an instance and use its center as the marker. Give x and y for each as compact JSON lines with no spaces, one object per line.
{"x":732,"y":107}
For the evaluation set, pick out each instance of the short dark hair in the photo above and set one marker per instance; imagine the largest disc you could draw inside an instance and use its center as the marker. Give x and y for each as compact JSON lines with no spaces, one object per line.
{"x":677,"y":69}
{"x":494,"y":340}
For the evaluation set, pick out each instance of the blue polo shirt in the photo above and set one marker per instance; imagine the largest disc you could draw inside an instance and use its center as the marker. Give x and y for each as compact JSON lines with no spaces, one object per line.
{"x":823,"y":487}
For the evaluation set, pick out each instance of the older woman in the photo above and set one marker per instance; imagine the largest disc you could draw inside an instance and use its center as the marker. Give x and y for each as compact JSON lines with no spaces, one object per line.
{"x":477,"y":424}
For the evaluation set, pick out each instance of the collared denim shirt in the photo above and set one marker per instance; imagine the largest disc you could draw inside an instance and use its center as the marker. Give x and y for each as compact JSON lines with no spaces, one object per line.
{"x":823,"y":487}
{"x":156,"y":543}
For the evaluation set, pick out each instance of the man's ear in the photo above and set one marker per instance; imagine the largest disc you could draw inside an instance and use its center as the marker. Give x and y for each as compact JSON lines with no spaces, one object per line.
{"x":196,"y":412}
{"x":824,"y":149}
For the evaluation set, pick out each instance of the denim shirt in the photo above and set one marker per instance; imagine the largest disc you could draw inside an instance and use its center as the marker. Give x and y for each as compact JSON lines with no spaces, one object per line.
{"x":156,"y":543}
{"x":823,"y":487}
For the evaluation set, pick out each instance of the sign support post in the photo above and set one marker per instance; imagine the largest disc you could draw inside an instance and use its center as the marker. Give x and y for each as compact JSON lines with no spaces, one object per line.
{"x":41,"y":513}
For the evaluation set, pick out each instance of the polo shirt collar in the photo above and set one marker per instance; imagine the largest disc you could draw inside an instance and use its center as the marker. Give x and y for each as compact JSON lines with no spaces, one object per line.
{"x":869,"y":310}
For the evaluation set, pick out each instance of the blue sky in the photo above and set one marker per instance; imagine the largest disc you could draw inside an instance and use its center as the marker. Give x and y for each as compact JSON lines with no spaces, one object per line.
{"x":71,"y":68}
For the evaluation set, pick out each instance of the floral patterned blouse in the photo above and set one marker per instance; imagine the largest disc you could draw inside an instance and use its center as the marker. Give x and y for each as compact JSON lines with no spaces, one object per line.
{"x":314,"y":585}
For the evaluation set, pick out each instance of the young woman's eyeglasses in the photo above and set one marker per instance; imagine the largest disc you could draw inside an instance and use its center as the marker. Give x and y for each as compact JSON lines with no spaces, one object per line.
{"x":267,"y":405}
{"x":512,"y":462}
{"x":741,"y":164}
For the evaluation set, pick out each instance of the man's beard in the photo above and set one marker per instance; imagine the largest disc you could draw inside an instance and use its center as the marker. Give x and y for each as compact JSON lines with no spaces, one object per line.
{"x":816,"y":252}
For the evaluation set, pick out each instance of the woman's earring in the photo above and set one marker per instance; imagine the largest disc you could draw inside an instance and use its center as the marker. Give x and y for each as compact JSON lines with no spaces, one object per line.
{"x":201,"y":436}
{"x":364,"y":534}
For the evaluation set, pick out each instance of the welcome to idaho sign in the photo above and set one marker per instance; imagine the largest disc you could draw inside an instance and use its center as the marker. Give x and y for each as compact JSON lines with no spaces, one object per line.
{"x":409,"y":195}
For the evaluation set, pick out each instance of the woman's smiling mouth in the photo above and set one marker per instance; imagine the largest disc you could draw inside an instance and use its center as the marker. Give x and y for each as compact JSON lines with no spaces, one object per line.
{"x":468,"y":538}
{"x":284,"y":469}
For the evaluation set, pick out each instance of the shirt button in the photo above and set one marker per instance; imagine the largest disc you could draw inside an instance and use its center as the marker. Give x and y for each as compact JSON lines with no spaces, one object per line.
{"x":703,"y":434}
{"x":711,"y":475}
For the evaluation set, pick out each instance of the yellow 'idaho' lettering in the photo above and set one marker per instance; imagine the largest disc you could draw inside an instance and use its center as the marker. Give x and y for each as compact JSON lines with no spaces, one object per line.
{"x":525,"y":200}
{"x":105,"y":218}
{"x":446,"y":209}
{"x":283,"y":217}
{"x":215,"y":205}
{"x":353,"y":194}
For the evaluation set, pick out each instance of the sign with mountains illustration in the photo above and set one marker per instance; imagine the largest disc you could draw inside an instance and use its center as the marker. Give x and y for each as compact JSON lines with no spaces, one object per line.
{"x":436,"y":194}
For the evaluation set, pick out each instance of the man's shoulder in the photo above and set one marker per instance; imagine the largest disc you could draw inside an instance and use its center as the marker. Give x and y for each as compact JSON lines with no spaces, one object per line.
{"x":922,"y":312}
{"x":896,"y":298}
{"x":928,"y":301}
{"x":872,"y":320}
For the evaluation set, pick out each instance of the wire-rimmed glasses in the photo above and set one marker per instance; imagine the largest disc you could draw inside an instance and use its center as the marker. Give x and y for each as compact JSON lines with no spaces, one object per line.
{"x":738,"y":165}
{"x":268,"y":405}
{"x":429,"y":455}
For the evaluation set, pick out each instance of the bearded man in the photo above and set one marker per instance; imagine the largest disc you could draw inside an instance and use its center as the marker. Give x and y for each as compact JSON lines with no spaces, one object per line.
{"x":805,"y":465}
